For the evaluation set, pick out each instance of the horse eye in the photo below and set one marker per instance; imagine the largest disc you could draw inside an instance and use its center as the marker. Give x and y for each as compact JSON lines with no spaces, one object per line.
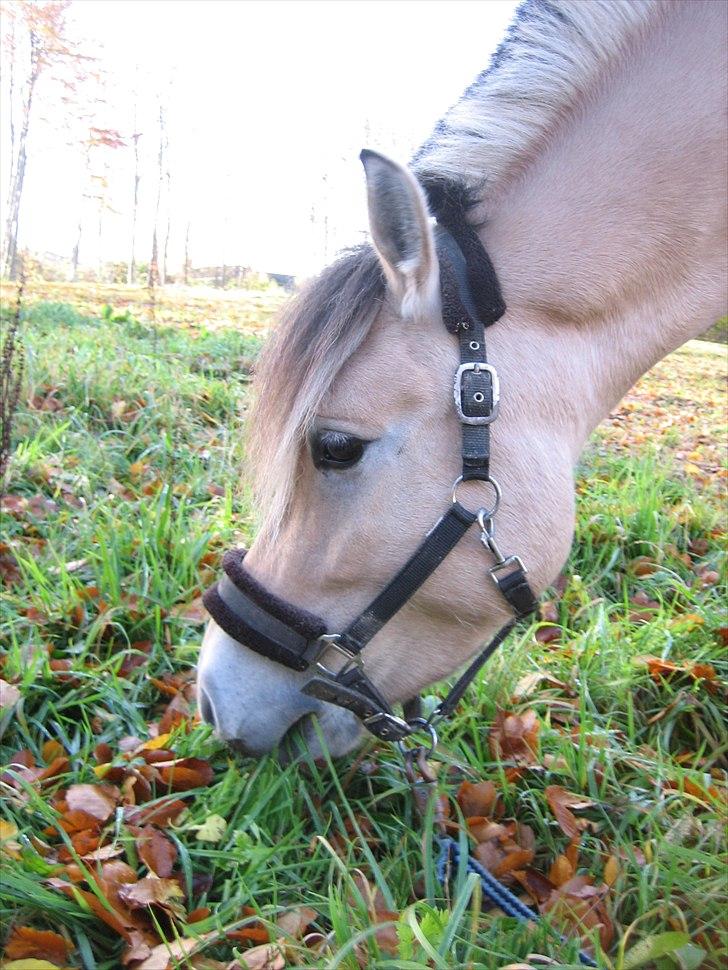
{"x":336,"y":449}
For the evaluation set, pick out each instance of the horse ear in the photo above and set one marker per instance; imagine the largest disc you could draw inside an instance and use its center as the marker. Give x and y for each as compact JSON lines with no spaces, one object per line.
{"x":401,"y":231}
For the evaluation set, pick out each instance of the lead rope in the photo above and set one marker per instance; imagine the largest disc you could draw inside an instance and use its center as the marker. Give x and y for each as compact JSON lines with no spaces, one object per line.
{"x":423,"y":791}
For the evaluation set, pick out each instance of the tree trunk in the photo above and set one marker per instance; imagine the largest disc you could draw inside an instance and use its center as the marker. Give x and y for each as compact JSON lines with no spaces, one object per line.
{"x":10,"y":267}
{"x":131,"y":268}
{"x":153,"y":276}
{"x":186,"y":269}
{"x":79,"y":230}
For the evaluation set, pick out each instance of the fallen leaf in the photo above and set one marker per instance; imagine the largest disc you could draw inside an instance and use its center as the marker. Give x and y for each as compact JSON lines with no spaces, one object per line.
{"x":193,"y":612}
{"x":267,"y":957}
{"x":156,"y":851}
{"x":8,"y":844}
{"x":611,"y":870}
{"x":477,"y":799}
{"x":295,"y":922}
{"x":99,"y":801}
{"x":26,"y":941}
{"x":514,"y":737}
{"x":652,"y":947}
{"x":561,"y":802}
{"x":9,"y":694}
{"x":578,"y":908}
{"x":153,"y":891}
{"x":212,"y":829}
{"x":186,"y":774}
{"x":167,"y":956}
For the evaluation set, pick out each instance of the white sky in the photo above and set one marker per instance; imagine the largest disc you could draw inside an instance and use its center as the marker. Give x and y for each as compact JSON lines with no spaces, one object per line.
{"x":269,"y":104}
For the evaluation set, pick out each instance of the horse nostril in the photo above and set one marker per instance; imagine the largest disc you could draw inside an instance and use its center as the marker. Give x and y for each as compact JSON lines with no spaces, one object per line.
{"x":206,"y":708}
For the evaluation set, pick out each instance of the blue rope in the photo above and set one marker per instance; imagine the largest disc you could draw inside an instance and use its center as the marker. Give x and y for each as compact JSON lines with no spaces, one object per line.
{"x":495,"y":891}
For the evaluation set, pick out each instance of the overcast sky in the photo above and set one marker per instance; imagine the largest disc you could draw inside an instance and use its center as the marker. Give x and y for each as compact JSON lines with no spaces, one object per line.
{"x":268,"y":105}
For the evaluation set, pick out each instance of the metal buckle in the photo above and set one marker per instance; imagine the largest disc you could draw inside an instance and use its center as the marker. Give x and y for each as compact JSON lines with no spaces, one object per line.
{"x":330,"y":640}
{"x":477,"y":366}
{"x":504,"y":564}
{"x":387,"y":727}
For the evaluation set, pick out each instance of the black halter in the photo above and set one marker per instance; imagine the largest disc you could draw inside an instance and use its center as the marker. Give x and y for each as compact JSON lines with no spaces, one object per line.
{"x":255,"y":617}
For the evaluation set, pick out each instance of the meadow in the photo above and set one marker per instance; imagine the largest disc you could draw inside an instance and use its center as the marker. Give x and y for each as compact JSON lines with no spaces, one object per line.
{"x":587,"y":767}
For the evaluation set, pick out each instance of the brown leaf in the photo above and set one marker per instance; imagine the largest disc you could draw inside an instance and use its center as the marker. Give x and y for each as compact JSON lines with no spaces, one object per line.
{"x":118,"y":920}
{"x":153,"y":891}
{"x":642,"y":566}
{"x":477,"y":799}
{"x":186,"y":774}
{"x":578,"y":908}
{"x":561,"y":871}
{"x":25,"y":943}
{"x":611,"y":870}
{"x":9,"y":694}
{"x":514,"y":737}
{"x":159,"y":813}
{"x":538,"y":887}
{"x":170,"y":956}
{"x":296,"y":921}
{"x":99,"y":801}
{"x":193,"y":612}
{"x":156,"y":851}
{"x":267,"y":957}
{"x":560,"y":802}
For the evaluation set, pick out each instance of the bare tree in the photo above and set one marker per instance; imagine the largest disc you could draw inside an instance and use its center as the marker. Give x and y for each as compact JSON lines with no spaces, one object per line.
{"x":12,"y":360}
{"x":35,"y":41}
{"x":153,"y":276}
{"x":168,"y":199}
{"x":136,"y":135}
{"x":186,"y":268}
{"x":96,"y":147}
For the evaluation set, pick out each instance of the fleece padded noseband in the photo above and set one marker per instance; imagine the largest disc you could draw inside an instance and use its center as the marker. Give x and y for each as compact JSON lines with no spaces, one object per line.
{"x":267,"y":624}
{"x":251,"y":614}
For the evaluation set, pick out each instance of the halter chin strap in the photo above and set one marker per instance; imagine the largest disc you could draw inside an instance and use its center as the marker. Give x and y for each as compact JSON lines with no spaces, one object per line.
{"x":255,"y":617}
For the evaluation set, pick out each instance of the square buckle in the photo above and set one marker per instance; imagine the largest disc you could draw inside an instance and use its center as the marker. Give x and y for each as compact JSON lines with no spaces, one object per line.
{"x":477,"y":367}
{"x":331,"y":641}
{"x":504,"y":564}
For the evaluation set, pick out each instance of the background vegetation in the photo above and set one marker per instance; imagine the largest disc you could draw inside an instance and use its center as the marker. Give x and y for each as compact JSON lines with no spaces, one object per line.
{"x":588,"y":763}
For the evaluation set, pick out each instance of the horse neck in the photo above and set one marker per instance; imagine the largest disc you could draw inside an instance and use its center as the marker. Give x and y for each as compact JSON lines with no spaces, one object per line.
{"x":611,"y":244}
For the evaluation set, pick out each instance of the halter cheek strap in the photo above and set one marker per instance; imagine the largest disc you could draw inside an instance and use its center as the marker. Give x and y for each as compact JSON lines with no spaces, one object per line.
{"x":255,"y":617}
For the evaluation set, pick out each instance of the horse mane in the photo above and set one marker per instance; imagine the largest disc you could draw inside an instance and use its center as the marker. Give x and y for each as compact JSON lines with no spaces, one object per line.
{"x":317,"y":333}
{"x":552,"y":55}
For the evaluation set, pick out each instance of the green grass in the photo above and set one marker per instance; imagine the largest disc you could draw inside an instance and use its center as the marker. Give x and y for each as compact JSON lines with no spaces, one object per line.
{"x":132,"y":479}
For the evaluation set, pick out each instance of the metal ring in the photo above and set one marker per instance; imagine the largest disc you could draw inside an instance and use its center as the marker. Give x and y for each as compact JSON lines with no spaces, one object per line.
{"x":486,"y":513}
{"x":421,"y":725}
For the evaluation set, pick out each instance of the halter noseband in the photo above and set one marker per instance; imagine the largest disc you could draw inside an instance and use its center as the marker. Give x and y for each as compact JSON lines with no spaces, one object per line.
{"x":260,"y":620}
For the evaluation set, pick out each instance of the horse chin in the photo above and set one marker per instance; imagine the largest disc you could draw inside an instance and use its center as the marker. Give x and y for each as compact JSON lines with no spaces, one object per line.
{"x":334,"y":731}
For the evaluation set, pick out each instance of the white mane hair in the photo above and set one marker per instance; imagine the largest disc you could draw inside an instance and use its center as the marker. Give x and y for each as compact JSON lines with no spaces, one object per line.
{"x":552,"y":55}
{"x":554,"y":51}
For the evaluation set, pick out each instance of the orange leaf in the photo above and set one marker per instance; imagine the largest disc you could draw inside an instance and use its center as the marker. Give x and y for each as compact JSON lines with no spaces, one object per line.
{"x":514,"y":737}
{"x":98,"y":801}
{"x":295,"y":922}
{"x":25,"y":943}
{"x":51,"y":750}
{"x":560,"y":802}
{"x":156,"y":851}
{"x":477,"y":799}
{"x":561,"y":871}
{"x":611,"y":870}
{"x":152,"y":891}
{"x":186,"y":774}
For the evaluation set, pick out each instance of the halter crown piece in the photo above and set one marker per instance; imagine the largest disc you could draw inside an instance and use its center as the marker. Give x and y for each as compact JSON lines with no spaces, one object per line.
{"x":260,"y":620}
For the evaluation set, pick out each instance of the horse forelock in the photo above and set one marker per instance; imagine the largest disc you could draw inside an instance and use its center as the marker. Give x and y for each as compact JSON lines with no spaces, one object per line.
{"x":317,"y":333}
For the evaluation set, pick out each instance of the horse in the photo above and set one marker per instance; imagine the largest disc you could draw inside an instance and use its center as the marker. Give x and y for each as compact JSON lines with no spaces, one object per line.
{"x":592,"y":155}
